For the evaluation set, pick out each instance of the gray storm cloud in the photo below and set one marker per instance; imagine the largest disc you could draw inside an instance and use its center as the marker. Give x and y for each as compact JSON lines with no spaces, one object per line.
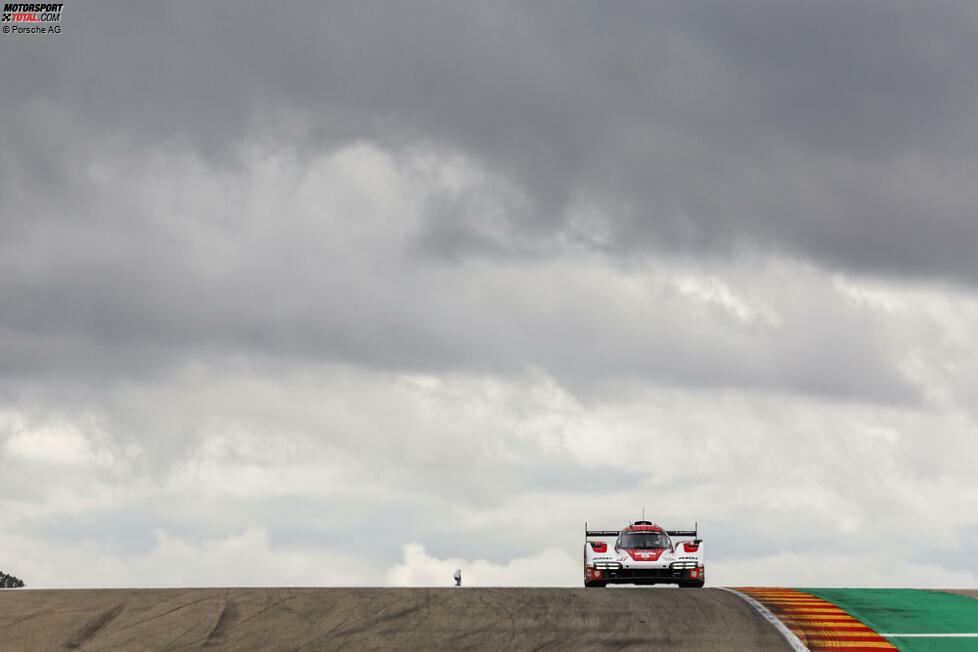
{"x":839,"y":135}
{"x":270,"y":276}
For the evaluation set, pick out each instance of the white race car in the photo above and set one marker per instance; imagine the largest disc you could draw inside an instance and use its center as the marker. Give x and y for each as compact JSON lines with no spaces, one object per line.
{"x":643,"y":553}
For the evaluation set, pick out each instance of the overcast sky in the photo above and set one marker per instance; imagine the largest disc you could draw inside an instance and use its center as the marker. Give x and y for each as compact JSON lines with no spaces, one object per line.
{"x":358,"y":294}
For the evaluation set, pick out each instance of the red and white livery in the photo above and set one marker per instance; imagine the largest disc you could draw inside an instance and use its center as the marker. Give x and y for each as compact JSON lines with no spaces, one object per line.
{"x":643,"y":553}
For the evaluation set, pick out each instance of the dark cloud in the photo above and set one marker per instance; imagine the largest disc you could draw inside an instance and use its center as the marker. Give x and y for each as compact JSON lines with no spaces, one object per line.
{"x":821,"y":129}
{"x":146,"y":255}
{"x":230,"y":235}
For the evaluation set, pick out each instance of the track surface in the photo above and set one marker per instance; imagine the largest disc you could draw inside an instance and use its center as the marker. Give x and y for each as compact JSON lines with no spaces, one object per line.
{"x":456,"y":619}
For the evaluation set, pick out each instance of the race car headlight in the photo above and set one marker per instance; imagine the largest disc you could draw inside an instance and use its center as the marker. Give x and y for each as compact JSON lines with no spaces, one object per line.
{"x":683,"y":564}
{"x":607,"y":565}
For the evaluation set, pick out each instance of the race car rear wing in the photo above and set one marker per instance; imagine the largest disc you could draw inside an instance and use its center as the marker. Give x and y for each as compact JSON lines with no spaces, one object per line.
{"x":613,"y":533}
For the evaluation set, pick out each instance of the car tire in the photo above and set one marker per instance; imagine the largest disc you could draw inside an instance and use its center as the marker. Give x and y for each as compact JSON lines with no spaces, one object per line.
{"x":594,"y":584}
{"x":691,"y":585}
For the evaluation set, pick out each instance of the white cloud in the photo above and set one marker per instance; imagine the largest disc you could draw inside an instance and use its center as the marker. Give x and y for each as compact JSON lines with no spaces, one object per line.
{"x":710,"y":290}
{"x":245,"y":558}
{"x":57,"y":443}
{"x":549,"y":567}
{"x":843,"y":568}
{"x":290,"y":368}
{"x":287,"y":461}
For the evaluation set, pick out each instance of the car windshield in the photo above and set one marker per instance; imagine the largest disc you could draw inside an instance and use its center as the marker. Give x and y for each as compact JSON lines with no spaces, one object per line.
{"x":646,"y":540}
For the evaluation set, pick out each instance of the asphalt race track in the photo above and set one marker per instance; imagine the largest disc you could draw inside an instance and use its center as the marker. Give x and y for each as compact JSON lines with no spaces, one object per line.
{"x":910,"y":620}
{"x":372,"y":619}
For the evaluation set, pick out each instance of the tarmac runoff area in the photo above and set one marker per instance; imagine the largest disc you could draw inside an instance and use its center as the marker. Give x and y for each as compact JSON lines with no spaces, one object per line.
{"x":383,"y":619}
